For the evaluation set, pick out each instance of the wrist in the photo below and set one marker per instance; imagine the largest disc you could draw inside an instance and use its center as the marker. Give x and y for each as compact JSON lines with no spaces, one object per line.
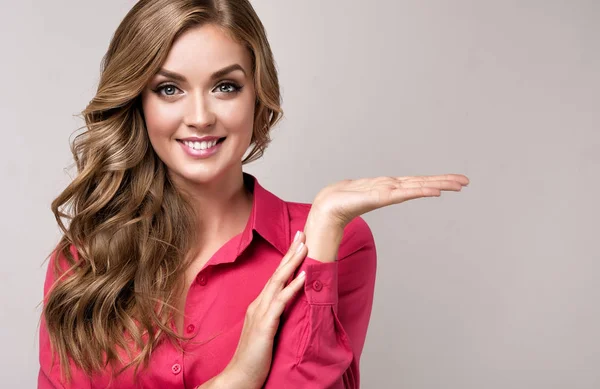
{"x":323,"y":238}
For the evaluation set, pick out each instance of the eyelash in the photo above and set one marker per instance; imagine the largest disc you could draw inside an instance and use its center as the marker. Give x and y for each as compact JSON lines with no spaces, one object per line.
{"x":236,"y":88}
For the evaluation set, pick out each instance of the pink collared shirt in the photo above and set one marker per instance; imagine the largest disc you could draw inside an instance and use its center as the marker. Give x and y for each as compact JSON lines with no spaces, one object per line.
{"x":322,"y":331}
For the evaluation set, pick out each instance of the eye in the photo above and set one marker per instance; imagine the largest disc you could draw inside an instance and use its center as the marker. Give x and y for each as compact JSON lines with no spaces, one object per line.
{"x":232,"y":87}
{"x":168,"y":89}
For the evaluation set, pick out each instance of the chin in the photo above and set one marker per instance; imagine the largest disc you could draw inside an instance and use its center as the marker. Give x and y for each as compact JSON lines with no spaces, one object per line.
{"x":200,"y":175}
{"x":195,"y":177}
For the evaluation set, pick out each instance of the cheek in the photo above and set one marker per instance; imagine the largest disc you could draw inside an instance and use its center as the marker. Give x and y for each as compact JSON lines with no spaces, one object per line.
{"x":238,"y":117}
{"x":160,"y":121}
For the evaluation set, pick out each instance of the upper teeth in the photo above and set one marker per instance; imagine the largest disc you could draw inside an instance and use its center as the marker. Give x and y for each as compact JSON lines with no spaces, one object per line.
{"x":200,"y":145}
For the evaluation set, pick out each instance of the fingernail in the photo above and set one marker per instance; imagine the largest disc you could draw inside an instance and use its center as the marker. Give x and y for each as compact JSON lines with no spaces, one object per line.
{"x":297,"y":236}
{"x":299,"y":247}
{"x":302,"y":274}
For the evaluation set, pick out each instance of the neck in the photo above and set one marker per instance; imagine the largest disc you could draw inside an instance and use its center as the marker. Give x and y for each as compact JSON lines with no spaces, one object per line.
{"x":222,"y":206}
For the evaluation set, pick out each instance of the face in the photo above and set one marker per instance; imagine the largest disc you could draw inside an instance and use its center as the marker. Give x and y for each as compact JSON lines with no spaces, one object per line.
{"x":204,"y":89}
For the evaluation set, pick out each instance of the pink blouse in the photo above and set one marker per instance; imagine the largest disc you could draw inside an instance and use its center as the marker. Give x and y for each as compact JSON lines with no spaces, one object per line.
{"x":322,"y":331}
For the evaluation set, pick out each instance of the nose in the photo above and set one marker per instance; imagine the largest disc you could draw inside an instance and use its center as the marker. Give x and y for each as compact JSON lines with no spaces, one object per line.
{"x":199,"y":113}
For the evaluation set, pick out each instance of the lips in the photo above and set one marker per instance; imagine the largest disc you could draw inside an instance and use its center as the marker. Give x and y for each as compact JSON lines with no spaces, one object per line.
{"x":203,"y":139}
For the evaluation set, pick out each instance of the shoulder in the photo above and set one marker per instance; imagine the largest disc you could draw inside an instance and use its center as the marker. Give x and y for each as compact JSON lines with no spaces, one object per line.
{"x":357,"y":234}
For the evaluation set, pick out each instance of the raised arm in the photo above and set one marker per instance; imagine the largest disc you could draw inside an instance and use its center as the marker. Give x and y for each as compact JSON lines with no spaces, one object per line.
{"x":323,"y":330}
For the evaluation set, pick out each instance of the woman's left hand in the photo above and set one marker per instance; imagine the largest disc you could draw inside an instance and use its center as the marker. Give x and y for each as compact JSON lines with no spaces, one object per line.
{"x":337,"y":204}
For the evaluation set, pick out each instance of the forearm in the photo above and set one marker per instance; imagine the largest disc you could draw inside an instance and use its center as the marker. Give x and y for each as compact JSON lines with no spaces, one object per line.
{"x":227,"y":380}
{"x":213,"y":383}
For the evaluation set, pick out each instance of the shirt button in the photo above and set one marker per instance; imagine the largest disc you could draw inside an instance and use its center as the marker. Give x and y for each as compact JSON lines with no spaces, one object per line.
{"x":191,"y":328}
{"x":317,"y":285}
{"x":202,"y":280}
{"x":176,"y":368}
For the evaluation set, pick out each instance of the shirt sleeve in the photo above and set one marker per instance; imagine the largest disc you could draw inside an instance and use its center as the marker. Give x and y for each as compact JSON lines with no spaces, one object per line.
{"x":49,"y":375}
{"x":323,"y":330}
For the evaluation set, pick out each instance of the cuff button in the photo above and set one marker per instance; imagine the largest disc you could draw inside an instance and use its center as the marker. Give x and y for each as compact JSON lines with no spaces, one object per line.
{"x":317,"y":285}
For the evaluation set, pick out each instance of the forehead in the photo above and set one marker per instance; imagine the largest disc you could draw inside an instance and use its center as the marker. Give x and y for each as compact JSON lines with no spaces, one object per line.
{"x":200,"y":51}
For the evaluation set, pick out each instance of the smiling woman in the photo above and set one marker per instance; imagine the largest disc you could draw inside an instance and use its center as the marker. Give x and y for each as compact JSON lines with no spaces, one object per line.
{"x":176,"y":269}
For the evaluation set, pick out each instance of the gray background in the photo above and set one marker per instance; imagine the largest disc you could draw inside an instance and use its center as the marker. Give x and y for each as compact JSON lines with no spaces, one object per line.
{"x":493,"y":287}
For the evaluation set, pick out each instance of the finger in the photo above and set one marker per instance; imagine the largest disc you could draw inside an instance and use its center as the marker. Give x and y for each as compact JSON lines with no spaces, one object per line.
{"x":460,"y":178}
{"x":300,"y":237}
{"x":286,"y":270}
{"x":441,"y":185}
{"x":279,"y":278}
{"x":403,"y":194}
{"x":279,"y":303}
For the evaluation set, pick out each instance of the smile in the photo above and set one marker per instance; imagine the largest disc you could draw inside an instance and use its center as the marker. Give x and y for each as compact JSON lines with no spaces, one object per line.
{"x":201,"y":149}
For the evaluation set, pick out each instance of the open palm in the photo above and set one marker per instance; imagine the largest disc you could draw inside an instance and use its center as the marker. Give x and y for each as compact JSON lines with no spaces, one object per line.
{"x":347,"y":199}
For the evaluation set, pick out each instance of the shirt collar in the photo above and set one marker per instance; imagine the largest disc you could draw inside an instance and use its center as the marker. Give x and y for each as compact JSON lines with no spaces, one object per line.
{"x":269,"y":218}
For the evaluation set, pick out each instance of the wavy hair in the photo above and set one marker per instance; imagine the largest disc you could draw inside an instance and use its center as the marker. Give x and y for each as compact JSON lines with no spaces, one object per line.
{"x":131,"y":227}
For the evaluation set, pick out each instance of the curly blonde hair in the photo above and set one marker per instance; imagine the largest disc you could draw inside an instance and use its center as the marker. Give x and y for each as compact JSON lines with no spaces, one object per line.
{"x":130,"y":226}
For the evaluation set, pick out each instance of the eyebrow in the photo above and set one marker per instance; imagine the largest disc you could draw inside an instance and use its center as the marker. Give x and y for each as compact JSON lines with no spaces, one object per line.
{"x":214,"y":76}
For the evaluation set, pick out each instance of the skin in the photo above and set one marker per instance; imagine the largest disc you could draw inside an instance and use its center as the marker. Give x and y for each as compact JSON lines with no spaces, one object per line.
{"x":199,"y":106}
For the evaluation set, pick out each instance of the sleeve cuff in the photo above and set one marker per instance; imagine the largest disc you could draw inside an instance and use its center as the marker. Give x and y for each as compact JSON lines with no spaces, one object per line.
{"x":321,"y":284}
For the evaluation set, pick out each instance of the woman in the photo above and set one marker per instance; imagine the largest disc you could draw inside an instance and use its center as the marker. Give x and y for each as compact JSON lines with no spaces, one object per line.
{"x":177,"y":269}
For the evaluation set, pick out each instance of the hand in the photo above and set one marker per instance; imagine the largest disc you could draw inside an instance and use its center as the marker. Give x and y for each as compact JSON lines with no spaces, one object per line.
{"x":342,"y":201}
{"x":337,"y":204}
{"x":251,"y":362}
